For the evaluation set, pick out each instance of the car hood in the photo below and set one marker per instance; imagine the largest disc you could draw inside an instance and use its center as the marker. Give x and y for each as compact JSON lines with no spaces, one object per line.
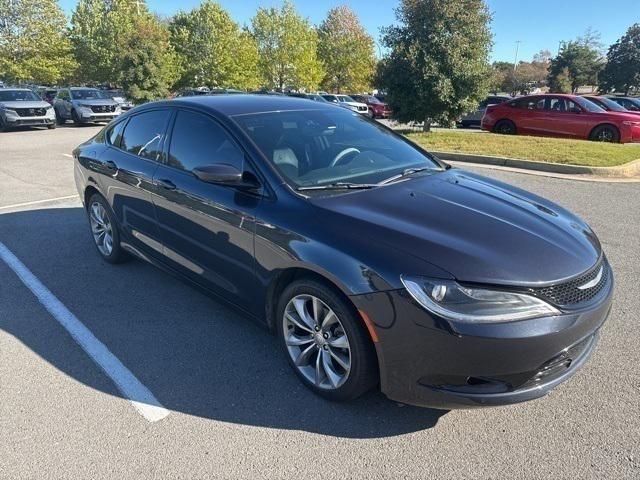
{"x":477,"y":229}
{"x":97,"y":101}
{"x":23,"y":104}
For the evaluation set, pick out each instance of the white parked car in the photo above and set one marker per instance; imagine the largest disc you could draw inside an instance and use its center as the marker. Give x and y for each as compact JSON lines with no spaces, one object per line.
{"x":347,"y":102}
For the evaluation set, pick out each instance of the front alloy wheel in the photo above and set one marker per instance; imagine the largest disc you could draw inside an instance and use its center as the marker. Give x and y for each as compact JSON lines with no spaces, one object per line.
{"x":317,"y":342}
{"x":326,"y":341}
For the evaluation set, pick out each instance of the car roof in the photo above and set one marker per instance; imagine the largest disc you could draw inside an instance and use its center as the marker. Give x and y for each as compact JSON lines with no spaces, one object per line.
{"x":231,"y":105}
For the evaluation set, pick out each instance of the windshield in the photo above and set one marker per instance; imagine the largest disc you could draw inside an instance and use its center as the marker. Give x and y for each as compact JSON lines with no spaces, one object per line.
{"x":18,"y":96}
{"x":588,"y":106}
{"x":322,"y":147}
{"x":345,"y":98}
{"x":373,"y":99}
{"x":87,"y":94}
{"x":116,"y":93}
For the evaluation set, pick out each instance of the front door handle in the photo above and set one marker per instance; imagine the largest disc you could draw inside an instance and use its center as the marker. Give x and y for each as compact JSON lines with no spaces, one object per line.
{"x":166,"y":184}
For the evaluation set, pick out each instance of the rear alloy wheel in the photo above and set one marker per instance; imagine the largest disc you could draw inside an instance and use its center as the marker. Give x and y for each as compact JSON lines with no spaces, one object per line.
{"x":325,"y":342}
{"x":104,"y":230}
{"x":505,"y":127}
{"x":605,"y":133}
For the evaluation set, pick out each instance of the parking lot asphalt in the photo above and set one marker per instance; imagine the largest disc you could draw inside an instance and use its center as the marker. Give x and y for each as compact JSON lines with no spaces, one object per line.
{"x":235,"y":410}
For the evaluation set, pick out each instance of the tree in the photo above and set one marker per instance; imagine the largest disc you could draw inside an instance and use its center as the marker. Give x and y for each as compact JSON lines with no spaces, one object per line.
{"x":147,"y":61}
{"x":287,"y":44}
{"x":561,"y":82}
{"x":33,"y":45}
{"x":582,"y":60}
{"x":98,"y":27}
{"x":212,"y":50}
{"x":622,"y":71}
{"x":347,"y":52}
{"x":437,"y":68}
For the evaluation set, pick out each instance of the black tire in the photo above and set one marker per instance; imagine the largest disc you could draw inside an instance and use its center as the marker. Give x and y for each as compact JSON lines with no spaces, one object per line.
{"x":605,"y":133}
{"x":117,"y":254}
{"x":51,"y":126}
{"x":75,"y":118}
{"x":505,"y":127}
{"x":60,"y":120}
{"x":363,"y":373}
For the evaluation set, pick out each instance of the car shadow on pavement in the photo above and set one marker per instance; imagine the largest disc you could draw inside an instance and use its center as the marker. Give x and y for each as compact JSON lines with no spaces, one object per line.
{"x":196,"y":355}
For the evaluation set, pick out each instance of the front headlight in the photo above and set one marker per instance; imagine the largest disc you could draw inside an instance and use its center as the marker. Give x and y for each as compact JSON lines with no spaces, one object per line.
{"x":453,"y":301}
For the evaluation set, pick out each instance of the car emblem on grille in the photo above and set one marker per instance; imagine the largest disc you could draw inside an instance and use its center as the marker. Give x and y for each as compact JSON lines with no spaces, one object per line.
{"x":32,"y":111}
{"x":592,"y":283}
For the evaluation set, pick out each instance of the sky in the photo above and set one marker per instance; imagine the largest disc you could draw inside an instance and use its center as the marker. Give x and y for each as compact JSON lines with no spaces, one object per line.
{"x":537,"y":24}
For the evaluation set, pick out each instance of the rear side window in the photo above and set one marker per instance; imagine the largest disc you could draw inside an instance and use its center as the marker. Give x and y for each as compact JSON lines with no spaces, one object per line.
{"x":198,"y":140}
{"x":114,"y":135}
{"x":144,"y":133}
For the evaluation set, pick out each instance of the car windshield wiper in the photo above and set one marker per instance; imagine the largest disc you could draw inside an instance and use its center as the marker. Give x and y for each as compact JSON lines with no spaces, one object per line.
{"x":407,"y":172}
{"x":339,"y":186}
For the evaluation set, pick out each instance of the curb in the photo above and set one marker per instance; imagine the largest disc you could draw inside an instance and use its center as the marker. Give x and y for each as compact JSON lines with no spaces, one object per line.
{"x":629,"y":170}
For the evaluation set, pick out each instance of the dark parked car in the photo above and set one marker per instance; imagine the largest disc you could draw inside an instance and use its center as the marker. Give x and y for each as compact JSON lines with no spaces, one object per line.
{"x":608,"y":105}
{"x":372,"y":261}
{"x":630,"y":103}
{"x":377,"y":109}
{"x":555,"y":115}
{"x":316,"y":97}
{"x":474,"y":119}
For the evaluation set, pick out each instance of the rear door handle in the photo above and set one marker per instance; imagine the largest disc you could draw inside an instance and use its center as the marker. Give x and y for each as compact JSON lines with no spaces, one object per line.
{"x":166,"y":184}
{"x":111,"y":165}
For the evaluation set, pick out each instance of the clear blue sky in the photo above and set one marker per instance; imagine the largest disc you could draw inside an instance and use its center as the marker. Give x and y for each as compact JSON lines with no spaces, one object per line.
{"x":538,"y":24}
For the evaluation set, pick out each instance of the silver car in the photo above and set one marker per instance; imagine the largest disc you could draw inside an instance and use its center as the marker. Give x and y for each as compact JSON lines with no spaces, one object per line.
{"x":347,"y":102}
{"x":84,"y":105}
{"x":474,"y":119}
{"x":21,"y":107}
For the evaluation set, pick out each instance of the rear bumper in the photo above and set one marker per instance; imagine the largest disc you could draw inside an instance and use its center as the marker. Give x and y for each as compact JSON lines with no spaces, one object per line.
{"x":427,"y":361}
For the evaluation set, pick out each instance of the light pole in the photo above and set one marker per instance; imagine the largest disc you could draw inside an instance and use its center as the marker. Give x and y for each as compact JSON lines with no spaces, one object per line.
{"x":515,"y":61}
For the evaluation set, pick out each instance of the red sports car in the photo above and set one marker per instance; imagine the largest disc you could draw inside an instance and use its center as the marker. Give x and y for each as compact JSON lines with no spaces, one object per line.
{"x":554,"y":115}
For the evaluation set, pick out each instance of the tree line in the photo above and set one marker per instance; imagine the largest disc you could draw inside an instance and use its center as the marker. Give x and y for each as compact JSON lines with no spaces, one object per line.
{"x":121,"y":42}
{"x":579,"y":62}
{"x":436,"y":65}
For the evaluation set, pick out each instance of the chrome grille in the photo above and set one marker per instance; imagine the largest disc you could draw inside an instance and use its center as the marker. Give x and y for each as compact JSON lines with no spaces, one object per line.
{"x":31,"y":112}
{"x":578,"y":290}
{"x":103,"y":108}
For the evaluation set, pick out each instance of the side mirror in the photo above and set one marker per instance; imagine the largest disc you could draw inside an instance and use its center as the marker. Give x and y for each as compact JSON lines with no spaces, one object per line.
{"x":224,"y":174}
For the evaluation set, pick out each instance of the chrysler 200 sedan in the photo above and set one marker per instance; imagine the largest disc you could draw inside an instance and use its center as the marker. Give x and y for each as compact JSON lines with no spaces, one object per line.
{"x":372,"y":261}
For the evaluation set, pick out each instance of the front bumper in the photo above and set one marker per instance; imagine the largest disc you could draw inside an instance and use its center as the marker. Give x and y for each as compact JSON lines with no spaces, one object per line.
{"x":87,"y":115}
{"x":427,"y":361}
{"x":12,"y":120}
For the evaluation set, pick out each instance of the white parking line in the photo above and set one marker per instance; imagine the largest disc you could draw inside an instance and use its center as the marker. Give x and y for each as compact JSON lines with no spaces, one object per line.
{"x":139,"y":395}
{"x":36,"y":202}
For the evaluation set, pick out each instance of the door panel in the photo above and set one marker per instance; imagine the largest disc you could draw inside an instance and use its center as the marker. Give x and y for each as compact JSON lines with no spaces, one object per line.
{"x":129,"y":167}
{"x":207,"y":230}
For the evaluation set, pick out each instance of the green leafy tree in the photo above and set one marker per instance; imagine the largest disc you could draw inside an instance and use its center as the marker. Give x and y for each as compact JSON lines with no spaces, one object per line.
{"x":212,"y":49}
{"x":561,"y":82}
{"x":33,"y":45}
{"x":437,"y":67}
{"x":98,"y":28}
{"x":347,"y":52}
{"x":147,"y":61}
{"x":582,"y":60}
{"x":287,"y":46}
{"x":622,"y":72}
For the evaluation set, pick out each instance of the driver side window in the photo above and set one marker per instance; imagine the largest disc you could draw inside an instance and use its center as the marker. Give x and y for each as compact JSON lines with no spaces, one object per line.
{"x":197,"y":140}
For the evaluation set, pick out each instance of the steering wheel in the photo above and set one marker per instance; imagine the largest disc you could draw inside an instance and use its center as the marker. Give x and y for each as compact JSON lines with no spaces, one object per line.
{"x":342,"y":154}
